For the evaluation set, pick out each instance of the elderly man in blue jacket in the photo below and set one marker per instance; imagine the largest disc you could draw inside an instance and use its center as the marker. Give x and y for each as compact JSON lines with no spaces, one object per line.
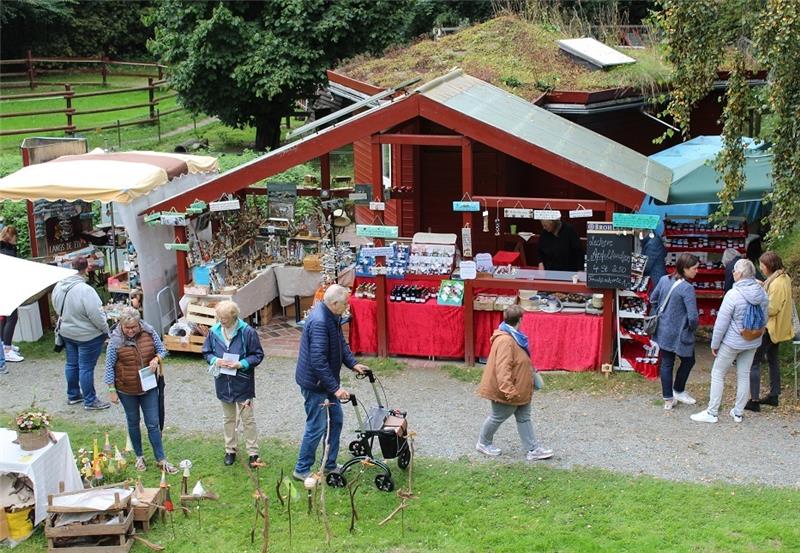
{"x":323,"y":350}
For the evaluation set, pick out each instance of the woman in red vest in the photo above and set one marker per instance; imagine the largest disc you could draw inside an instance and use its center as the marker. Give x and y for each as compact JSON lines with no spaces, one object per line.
{"x":133,"y":359}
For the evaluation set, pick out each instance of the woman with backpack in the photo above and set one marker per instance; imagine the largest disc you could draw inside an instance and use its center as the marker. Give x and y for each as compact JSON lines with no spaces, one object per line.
{"x":779,"y":329}
{"x":675,"y":304}
{"x":741,"y":323}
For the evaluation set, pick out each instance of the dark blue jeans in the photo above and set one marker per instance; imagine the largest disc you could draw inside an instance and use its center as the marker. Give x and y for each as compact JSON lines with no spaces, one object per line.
{"x":79,"y":370}
{"x":667,"y":363}
{"x":316,"y":426}
{"x":148,"y":403}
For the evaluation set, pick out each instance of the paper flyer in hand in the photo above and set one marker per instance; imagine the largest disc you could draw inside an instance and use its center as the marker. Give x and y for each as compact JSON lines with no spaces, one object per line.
{"x":147,"y":378}
{"x":233,"y":358}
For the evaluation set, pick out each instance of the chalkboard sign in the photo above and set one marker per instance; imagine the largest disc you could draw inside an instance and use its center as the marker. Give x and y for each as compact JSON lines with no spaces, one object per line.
{"x":608,"y":260}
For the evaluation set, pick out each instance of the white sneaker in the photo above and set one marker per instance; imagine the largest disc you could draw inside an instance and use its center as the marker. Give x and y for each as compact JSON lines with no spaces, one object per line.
{"x":669,"y":404}
{"x":736,"y":418}
{"x":13,"y":356}
{"x":703,"y":416}
{"x":538,"y":454}
{"x":489,"y":450}
{"x":684,"y":397}
{"x":15,"y":348}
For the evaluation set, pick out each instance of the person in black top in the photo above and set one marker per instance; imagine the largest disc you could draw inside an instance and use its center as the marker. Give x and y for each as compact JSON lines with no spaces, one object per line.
{"x":559,"y":247}
{"x":8,"y":246}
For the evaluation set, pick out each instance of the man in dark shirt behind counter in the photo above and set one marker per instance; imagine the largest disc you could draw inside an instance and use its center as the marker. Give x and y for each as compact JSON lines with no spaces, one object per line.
{"x":559,"y":247}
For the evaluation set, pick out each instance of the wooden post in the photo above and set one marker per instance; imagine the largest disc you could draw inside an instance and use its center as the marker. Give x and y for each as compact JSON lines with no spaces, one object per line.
{"x":31,"y":71}
{"x":466,"y":176}
{"x":609,"y":309}
{"x":104,"y":69}
{"x":151,"y":93}
{"x":469,"y":324}
{"x":183,"y":271}
{"x":325,"y":171}
{"x":380,"y":298}
{"x":69,"y":111}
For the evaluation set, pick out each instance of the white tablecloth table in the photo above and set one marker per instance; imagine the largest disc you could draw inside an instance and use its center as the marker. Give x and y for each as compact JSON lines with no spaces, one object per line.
{"x":250,"y":298}
{"x":296,"y":281}
{"x":45,"y":467}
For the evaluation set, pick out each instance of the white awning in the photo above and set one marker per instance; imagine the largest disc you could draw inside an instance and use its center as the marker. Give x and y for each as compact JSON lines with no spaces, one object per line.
{"x":21,"y":279}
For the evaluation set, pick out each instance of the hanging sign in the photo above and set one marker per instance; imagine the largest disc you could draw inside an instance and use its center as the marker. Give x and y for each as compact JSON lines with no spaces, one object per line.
{"x":177,"y":247}
{"x":152,"y":218}
{"x":466,"y":206}
{"x":518,"y":213}
{"x":225,"y":205}
{"x":466,"y":242}
{"x":376,"y":231}
{"x":377,"y":206}
{"x":384,"y":251}
{"x":608,"y":256}
{"x":546,"y":214}
{"x":635,"y":220}
{"x":362,"y":194}
{"x":173,"y":219}
{"x":580,"y":213}
{"x":468,"y":270}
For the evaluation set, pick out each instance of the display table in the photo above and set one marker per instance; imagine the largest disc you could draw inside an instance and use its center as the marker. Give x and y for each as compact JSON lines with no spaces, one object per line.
{"x":45,"y":467}
{"x":558,"y":341}
{"x":569,"y":341}
{"x":251,"y":297}
{"x":296,"y":281}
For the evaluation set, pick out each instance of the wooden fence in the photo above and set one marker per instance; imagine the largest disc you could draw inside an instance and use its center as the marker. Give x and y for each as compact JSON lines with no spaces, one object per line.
{"x":99,"y":65}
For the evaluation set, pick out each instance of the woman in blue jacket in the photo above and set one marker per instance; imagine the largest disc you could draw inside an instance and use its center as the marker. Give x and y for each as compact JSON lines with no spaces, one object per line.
{"x":233,"y":350}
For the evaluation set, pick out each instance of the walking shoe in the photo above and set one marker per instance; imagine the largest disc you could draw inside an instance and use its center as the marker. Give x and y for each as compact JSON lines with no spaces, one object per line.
{"x":753,"y":405}
{"x":669,"y":404}
{"x":140,"y":465}
{"x":301,"y":476}
{"x":538,"y":454}
{"x":97,"y":405}
{"x":684,"y":397}
{"x":703,"y":416}
{"x":167,"y":467}
{"x":736,"y":418}
{"x":327,"y":471}
{"x":13,"y":357}
{"x":230,"y":458}
{"x":75,"y":401}
{"x":766,"y":400}
{"x":254,"y":461}
{"x":489,"y":450}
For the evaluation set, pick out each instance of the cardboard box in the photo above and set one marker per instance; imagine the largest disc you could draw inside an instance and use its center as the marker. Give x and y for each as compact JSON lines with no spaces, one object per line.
{"x":305,"y":304}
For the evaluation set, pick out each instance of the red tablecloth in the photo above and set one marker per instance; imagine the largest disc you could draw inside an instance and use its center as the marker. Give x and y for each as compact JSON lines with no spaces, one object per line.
{"x":363,"y":325}
{"x":570,"y":341}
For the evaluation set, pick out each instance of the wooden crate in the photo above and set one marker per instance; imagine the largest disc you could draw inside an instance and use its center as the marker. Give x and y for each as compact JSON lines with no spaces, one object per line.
{"x":191,"y":344}
{"x":143,"y":514}
{"x":74,"y":538}
{"x":201,"y":314}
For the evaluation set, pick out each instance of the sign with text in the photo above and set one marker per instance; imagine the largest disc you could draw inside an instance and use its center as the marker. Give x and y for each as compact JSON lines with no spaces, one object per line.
{"x":377,"y":206}
{"x":580,"y":213}
{"x":468,"y":270}
{"x":546,"y":214}
{"x":384,"y":251}
{"x":376,"y":231}
{"x":466,"y":206}
{"x":635,"y":220}
{"x":608,"y":257}
{"x":518,"y":213}
{"x":226,"y":205}
{"x":362,"y":194}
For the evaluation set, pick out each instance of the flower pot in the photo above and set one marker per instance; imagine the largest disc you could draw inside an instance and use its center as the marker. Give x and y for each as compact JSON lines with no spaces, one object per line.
{"x":30,"y":441}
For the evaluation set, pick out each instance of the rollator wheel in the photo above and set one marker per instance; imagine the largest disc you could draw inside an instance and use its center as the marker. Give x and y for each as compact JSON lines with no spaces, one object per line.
{"x":404,"y":458}
{"x":336,"y":480}
{"x":384,"y":483}
{"x":357,"y":448}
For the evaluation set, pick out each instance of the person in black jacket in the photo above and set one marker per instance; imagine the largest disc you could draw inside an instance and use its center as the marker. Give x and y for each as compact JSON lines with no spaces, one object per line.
{"x":234,"y":377}
{"x":559,"y":247}
{"x":729,"y":258}
{"x":323,"y":350}
{"x":8,"y":246}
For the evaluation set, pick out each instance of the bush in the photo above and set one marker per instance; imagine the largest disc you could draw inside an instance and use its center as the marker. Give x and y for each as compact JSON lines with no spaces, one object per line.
{"x":16,"y":213}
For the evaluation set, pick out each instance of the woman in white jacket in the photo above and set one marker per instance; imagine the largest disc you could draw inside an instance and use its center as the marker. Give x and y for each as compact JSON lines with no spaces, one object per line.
{"x":729,"y":345}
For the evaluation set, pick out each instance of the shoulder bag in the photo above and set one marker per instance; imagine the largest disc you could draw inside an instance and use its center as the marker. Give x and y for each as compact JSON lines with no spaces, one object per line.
{"x":651,"y":323}
{"x":59,"y":340}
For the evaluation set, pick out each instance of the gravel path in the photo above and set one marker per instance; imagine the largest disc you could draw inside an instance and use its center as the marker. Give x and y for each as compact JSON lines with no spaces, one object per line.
{"x":631,"y":435}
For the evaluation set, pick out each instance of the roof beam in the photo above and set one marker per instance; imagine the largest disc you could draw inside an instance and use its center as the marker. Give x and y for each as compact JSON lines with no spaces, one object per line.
{"x":455,"y":140}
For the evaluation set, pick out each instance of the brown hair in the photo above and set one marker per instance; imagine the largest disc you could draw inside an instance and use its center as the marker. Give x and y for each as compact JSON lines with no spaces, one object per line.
{"x":512,"y":314}
{"x":80,"y":264}
{"x":685,"y":261}
{"x":772,"y":261}
{"x":8,"y":232}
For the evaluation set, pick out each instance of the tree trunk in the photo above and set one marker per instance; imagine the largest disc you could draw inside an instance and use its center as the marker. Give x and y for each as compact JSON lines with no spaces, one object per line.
{"x":268,"y":133}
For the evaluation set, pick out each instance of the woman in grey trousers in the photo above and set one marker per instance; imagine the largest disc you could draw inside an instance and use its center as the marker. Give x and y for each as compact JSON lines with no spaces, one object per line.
{"x":728,"y":344}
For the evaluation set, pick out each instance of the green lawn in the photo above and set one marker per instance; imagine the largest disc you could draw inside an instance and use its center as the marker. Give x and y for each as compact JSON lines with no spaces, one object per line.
{"x":470,"y":506}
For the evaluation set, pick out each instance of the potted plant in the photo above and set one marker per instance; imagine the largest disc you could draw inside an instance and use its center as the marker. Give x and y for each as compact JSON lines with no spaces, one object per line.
{"x":33,"y":428}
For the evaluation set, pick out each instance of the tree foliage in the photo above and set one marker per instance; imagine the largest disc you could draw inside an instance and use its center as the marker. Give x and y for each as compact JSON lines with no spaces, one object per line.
{"x":249,"y":62}
{"x":702,"y":36}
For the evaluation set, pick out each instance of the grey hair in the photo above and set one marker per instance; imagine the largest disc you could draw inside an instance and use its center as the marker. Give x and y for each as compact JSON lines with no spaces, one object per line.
{"x":729,"y":255}
{"x":745,"y":268}
{"x":227,"y":307}
{"x":129,"y":315}
{"x":335,"y":293}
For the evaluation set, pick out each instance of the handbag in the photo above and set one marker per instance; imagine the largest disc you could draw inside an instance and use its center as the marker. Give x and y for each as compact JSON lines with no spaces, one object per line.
{"x":59,"y":340}
{"x":651,"y":323}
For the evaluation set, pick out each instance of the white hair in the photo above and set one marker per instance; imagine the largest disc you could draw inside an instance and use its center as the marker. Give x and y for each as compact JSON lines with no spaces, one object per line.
{"x":129,"y":315}
{"x":227,"y":308}
{"x":335,"y":293}
{"x":745,"y":268}
{"x":729,"y":255}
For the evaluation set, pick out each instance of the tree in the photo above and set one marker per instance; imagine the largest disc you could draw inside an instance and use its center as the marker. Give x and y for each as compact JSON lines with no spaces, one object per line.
{"x":703,"y":35}
{"x":249,"y":62}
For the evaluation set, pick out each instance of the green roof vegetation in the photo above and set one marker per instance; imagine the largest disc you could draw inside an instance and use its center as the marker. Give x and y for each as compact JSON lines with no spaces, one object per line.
{"x":511,"y":53}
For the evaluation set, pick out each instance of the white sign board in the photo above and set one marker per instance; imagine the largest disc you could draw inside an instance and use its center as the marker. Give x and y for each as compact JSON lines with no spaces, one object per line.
{"x":517,"y":213}
{"x":357,"y":196}
{"x":468,"y":270}
{"x":580,"y":213}
{"x":547,"y":214}
{"x":377,"y":206}
{"x":227,"y":205}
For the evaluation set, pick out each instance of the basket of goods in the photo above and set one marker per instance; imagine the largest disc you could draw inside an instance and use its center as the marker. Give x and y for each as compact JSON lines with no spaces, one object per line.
{"x":529,"y":300}
{"x":313,"y":263}
{"x":33,"y":429}
{"x":502,"y":302}
{"x":484,"y":302}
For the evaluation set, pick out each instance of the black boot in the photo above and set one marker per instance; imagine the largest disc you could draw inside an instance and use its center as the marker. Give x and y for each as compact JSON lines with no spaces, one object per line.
{"x":230,"y":458}
{"x":753,"y":405}
{"x":769,"y":400}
